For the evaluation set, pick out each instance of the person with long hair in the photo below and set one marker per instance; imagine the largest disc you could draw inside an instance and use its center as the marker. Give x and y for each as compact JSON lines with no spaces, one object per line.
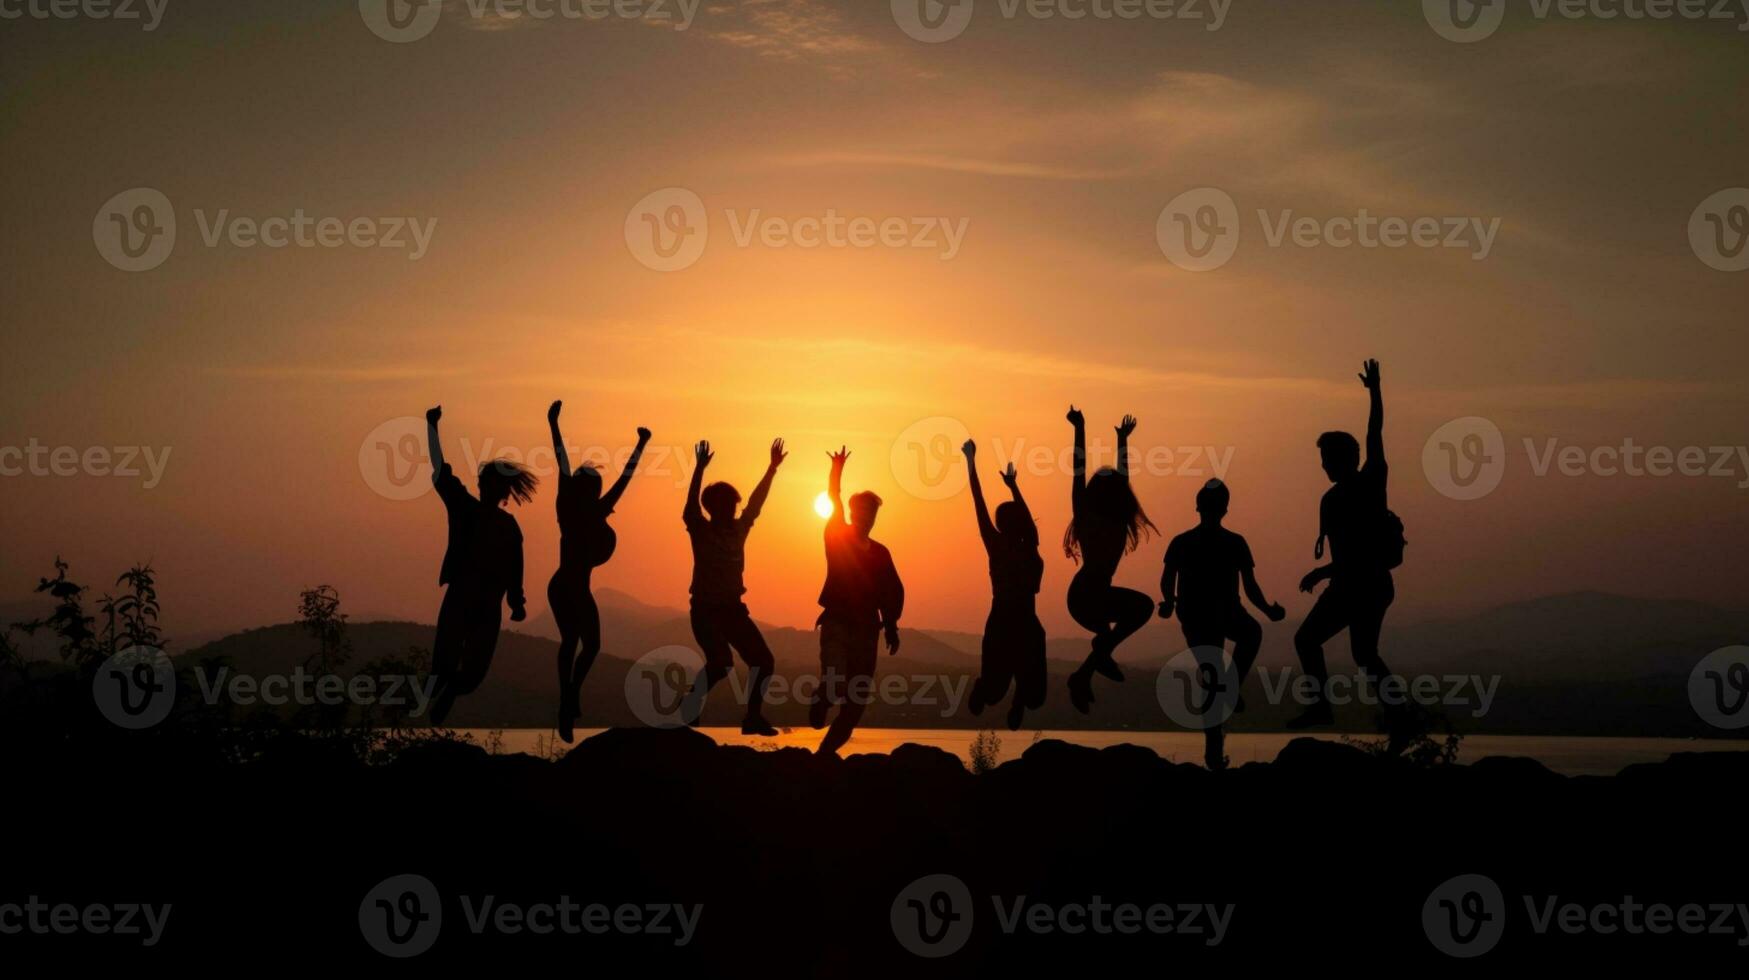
{"x":1107,"y":523}
{"x":482,"y":568}
{"x":1014,"y":639}
{"x":586,"y":542}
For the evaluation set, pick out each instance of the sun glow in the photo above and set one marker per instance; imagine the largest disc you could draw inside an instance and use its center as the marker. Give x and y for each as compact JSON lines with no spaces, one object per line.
{"x":823,"y":504}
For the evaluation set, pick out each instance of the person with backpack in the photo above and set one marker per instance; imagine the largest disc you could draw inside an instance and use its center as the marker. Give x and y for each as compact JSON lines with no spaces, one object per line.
{"x":1366,"y":543}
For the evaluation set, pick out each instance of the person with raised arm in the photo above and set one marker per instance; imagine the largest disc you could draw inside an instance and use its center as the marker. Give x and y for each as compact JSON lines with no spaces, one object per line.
{"x":1366,"y":542}
{"x":1107,"y":523}
{"x":1014,"y":639}
{"x":586,"y":542}
{"x":720,"y":621}
{"x":482,"y":569}
{"x":861,"y":600}
{"x":1205,"y":567}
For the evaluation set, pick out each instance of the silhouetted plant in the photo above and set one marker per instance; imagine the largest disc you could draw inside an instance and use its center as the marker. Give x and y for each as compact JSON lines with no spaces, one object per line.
{"x":1416,"y":734}
{"x":132,"y":619}
{"x":986,"y":749}
{"x":320,"y":616}
{"x":79,"y":645}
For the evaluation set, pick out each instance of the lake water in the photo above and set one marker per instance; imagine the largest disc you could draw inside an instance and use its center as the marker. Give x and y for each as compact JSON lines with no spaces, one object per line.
{"x":1572,"y":756}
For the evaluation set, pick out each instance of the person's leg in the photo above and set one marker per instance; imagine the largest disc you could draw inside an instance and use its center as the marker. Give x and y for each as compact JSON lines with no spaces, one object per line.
{"x":1207,"y":646}
{"x":1329,"y":616}
{"x":479,"y":642}
{"x":446,"y":646}
{"x":707,"y":631}
{"x":1247,"y":636}
{"x":1088,"y":608}
{"x":1369,"y":605}
{"x":589,"y":639}
{"x":565,"y":618}
{"x":1128,"y":611}
{"x":859,"y":670}
{"x":743,"y":634}
{"x":1030,"y":669}
{"x":832,"y":645}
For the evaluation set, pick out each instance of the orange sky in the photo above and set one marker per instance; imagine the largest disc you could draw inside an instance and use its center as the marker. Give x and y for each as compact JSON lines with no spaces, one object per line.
{"x":263,"y":371}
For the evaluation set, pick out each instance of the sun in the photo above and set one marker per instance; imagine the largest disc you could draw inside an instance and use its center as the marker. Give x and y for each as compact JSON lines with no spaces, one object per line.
{"x":823,"y":504}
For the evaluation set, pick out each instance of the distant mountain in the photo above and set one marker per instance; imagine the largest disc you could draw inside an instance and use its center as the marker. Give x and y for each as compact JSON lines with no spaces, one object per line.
{"x":1577,"y":664}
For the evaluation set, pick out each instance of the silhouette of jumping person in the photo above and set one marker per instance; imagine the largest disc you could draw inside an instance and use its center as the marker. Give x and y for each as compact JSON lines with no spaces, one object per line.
{"x":862,"y":599}
{"x":1204,"y":569}
{"x":720,"y":620}
{"x":1014,"y":639}
{"x":586,"y":542}
{"x":1107,"y":523}
{"x":1354,"y":518}
{"x":482,"y":568}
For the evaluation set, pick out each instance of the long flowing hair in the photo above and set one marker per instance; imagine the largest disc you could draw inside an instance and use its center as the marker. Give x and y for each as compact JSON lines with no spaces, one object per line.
{"x":507,"y":479}
{"x":1109,"y":500}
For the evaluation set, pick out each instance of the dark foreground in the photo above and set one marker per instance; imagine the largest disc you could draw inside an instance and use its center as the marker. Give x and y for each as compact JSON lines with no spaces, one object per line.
{"x":1109,"y":862}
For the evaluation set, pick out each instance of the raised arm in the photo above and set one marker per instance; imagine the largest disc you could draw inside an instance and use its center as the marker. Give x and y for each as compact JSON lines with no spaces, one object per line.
{"x":835,"y":486}
{"x":1011,"y":477}
{"x":756,"y":502}
{"x":564,"y":461}
{"x":434,"y":445}
{"x":1375,"y":423}
{"x":986,"y":530}
{"x":692,"y":515}
{"x":1079,"y":421}
{"x":610,"y":499}
{"x":1123,"y":444}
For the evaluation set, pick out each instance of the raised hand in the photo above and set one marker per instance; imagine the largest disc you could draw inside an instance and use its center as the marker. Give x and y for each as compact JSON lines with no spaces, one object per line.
{"x":1010,"y":475}
{"x":1128,"y":426}
{"x":702,"y":453}
{"x":553,"y":411}
{"x":778,"y":455}
{"x":643,"y":434}
{"x":838,"y":457}
{"x":1075,"y":417}
{"x":1369,"y":375}
{"x":433,"y":414}
{"x":970,"y":449}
